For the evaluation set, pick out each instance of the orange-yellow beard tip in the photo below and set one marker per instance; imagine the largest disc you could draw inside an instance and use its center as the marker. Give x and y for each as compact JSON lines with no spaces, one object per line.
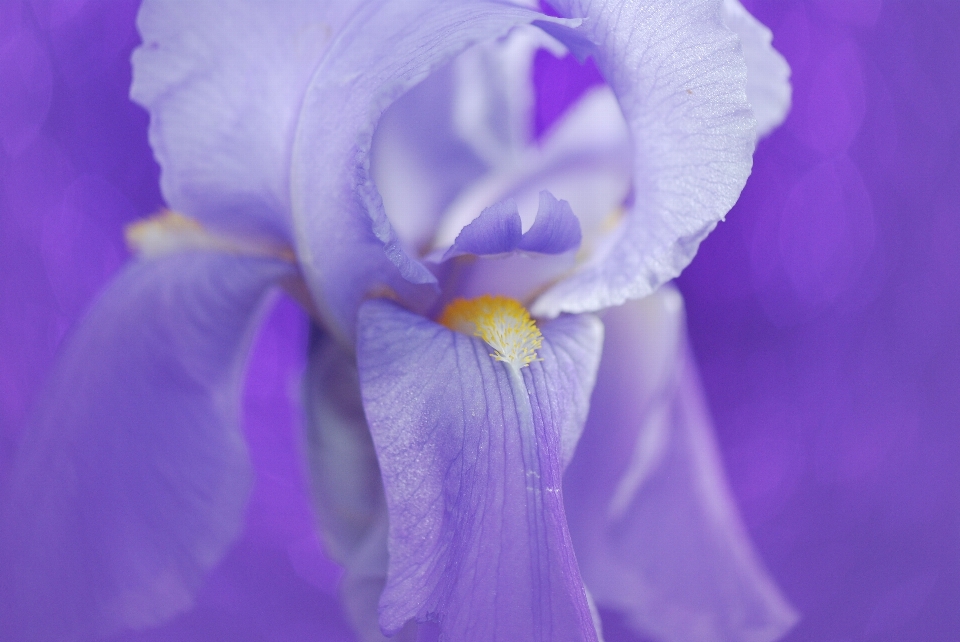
{"x":168,"y":232}
{"x":503,"y":323}
{"x":141,"y":232}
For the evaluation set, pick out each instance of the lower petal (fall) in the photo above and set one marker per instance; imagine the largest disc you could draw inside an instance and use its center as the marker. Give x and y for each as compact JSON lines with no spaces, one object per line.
{"x":655,"y":526}
{"x":471,"y":453}
{"x":131,"y":480}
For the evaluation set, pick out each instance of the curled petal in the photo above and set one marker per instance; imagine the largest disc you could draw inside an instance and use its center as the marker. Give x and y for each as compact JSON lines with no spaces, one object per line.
{"x":223,"y":81}
{"x":496,"y":231}
{"x":343,"y":234}
{"x":654,"y":524}
{"x":471,"y":451}
{"x":584,"y":159}
{"x":555,"y":230}
{"x":131,"y":480}
{"x":768,"y":74}
{"x":679,"y":76}
{"x":419,"y":162}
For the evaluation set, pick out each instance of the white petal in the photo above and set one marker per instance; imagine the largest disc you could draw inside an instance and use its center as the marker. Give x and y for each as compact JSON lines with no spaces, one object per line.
{"x":223,"y":81}
{"x":768,"y":74}
{"x":679,"y":76}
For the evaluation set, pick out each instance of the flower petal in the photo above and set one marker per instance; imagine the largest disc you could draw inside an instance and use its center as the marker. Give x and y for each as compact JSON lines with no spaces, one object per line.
{"x":471,"y":455}
{"x":418,"y":161}
{"x":343,"y":233}
{"x":679,"y":76}
{"x":556,"y":229}
{"x":223,"y":81}
{"x":768,"y":74}
{"x":131,"y":481}
{"x":497,"y":230}
{"x":495,"y":96}
{"x":584,"y":159}
{"x":654,"y":525}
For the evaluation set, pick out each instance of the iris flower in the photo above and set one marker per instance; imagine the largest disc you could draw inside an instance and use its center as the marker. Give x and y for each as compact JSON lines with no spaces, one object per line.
{"x":489,"y":458}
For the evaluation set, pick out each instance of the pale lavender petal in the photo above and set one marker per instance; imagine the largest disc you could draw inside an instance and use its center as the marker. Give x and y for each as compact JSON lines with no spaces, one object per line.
{"x":497,"y":230}
{"x":471,"y":456}
{"x":679,"y":76}
{"x":518,"y":275}
{"x":418,"y":161}
{"x":556,"y":229}
{"x":495,"y":96}
{"x":768,"y":74}
{"x":584,"y":159}
{"x":131,"y":480}
{"x":654,"y":524}
{"x":343,"y":234}
{"x":223,"y":81}
{"x":429,"y":144}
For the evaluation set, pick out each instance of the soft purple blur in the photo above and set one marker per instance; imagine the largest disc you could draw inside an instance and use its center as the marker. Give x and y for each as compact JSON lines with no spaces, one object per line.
{"x":825,"y":313}
{"x":825,"y":317}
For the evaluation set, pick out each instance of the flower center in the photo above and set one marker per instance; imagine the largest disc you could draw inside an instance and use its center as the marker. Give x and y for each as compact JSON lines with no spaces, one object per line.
{"x":502,"y":322}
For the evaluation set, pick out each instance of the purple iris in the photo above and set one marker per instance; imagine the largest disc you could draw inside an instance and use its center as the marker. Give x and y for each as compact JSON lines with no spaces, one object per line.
{"x":489,"y":457}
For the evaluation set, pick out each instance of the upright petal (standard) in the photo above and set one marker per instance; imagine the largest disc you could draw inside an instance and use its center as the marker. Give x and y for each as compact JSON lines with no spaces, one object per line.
{"x":223,"y":81}
{"x":768,"y":74}
{"x":344,"y":237}
{"x":679,"y":76}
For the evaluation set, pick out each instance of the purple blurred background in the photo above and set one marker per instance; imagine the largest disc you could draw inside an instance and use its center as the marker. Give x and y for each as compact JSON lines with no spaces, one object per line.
{"x":825,"y":314}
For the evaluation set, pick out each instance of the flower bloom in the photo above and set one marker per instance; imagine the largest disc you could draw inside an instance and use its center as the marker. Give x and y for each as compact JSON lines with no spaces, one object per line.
{"x":487,"y":455}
